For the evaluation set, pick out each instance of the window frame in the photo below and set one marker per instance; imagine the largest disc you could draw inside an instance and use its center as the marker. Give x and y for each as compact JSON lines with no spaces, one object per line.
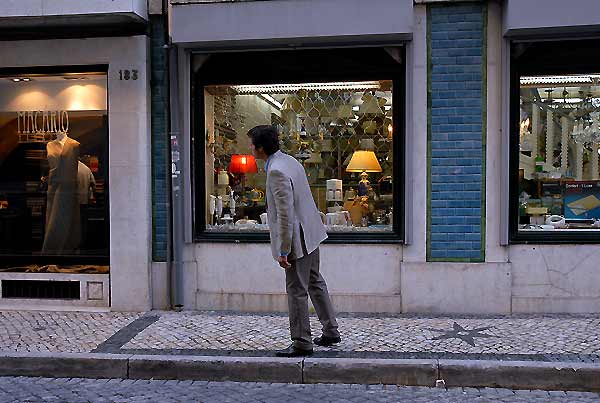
{"x":20,"y":259}
{"x":540,"y":62}
{"x":255,"y":76}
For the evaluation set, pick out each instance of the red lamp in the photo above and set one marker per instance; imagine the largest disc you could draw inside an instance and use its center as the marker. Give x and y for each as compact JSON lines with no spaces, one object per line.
{"x":242,"y":164}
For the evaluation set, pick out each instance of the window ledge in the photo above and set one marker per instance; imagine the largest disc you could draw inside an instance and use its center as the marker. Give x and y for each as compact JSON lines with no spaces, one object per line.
{"x":333,"y":238}
{"x":588,"y":237}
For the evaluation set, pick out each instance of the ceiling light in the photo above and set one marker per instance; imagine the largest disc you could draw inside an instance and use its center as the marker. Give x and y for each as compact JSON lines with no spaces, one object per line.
{"x":286,"y":88}
{"x":552,"y":80}
{"x":272,"y":101}
{"x":568,"y":100}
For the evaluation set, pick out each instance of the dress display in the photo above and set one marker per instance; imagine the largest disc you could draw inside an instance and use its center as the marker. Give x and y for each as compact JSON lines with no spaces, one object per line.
{"x":63,"y":230}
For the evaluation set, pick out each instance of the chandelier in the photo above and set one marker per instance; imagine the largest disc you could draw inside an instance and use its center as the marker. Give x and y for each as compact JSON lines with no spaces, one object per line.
{"x":586,"y":131}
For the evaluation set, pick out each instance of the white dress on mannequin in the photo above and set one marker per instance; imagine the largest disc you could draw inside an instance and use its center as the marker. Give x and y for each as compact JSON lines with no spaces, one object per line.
{"x":63,"y":230}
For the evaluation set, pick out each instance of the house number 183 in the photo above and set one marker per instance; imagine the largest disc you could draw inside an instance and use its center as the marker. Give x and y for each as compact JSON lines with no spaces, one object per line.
{"x":128,"y":75}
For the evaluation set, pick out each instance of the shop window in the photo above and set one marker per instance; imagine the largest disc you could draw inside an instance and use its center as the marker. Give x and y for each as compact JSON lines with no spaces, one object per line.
{"x":54,"y":172}
{"x":556,"y":151}
{"x":344,"y":133}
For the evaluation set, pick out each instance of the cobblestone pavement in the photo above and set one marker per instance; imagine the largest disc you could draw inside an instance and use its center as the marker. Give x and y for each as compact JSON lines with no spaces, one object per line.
{"x":545,"y":338}
{"x":578,"y":335}
{"x":30,"y":390}
{"x":72,"y":332}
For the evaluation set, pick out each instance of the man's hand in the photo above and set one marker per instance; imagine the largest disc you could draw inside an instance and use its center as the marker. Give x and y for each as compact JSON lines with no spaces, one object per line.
{"x":283,"y":262}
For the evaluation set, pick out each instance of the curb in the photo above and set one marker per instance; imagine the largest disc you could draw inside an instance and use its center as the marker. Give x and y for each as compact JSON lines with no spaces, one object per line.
{"x":64,"y":365}
{"x":372,"y":371}
{"x":241,"y":369}
{"x":521,"y":374}
{"x":410,"y":372}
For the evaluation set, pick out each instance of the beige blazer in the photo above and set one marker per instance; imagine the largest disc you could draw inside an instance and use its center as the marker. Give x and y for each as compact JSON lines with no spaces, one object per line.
{"x":290,"y":207}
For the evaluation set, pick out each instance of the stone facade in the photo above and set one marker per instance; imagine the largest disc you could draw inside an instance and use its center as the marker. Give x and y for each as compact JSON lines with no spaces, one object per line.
{"x":456,"y":258}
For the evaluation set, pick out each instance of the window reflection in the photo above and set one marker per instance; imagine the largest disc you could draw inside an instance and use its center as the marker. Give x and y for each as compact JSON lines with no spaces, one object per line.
{"x":559,"y":142}
{"x":53,"y":171}
{"x":341,"y":132}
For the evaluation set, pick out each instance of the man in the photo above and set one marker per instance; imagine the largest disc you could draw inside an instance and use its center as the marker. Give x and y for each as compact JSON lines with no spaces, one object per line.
{"x":86,"y":187}
{"x":296,"y":231}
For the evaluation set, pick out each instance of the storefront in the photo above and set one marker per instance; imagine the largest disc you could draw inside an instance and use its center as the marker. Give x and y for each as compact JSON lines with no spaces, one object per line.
{"x":338,"y":98}
{"x":74,"y":161}
{"x":553,"y":98}
{"x":451,"y":148}
{"x":54,"y":180}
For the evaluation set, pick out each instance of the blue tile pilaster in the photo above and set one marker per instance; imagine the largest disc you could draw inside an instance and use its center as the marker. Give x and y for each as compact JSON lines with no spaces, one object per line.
{"x":160,"y":137}
{"x":456,"y":41}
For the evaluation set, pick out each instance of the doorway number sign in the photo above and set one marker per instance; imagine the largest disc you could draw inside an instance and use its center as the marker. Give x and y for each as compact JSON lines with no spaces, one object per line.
{"x":126,"y":75}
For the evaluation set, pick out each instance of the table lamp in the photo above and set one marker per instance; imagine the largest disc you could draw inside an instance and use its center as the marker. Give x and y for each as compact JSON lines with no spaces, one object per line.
{"x":363,"y":162}
{"x":242,"y":164}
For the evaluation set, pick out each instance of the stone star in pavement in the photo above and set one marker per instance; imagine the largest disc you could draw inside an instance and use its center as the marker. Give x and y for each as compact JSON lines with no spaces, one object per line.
{"x":459,"y":332}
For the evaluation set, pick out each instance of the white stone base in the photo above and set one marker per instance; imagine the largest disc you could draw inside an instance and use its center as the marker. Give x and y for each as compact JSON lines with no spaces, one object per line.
{"x":94,"y":292}
{"x":277,"y":302}
{"x":160,"y":286}
{"x":555,"y":305}
{"x":477,"y":288}
{"x":374,"y":278}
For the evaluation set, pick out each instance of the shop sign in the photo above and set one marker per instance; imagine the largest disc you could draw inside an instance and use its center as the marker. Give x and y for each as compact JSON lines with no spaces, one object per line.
{"x":582,"y":200}
{"x":41,"y":126}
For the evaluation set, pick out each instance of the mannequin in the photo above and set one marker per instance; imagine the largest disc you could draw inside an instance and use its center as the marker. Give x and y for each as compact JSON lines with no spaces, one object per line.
{"x":63,"y":231}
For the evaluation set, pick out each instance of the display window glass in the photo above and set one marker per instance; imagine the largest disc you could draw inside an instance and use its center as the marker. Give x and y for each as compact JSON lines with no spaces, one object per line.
{"x":54,"y":172}
{"x":559,"y":144}
{"x":341,"y":132}
{"x":345,"y":132}
{"x":555,"y":142}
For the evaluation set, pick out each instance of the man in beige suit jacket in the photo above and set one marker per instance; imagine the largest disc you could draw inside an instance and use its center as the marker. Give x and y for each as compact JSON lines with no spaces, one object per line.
{"x":296,"y":232}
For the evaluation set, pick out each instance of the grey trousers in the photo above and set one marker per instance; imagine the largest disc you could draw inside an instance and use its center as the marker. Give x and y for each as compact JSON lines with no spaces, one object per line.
{"x":301,"y":280}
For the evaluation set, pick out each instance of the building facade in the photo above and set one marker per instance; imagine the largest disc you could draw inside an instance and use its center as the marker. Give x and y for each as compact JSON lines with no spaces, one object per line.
{"x":469,"y":114}
{"x":451,"y":147}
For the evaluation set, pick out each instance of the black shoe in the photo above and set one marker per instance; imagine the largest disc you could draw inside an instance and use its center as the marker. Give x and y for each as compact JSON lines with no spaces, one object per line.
{"x":325,"y":341}
{"x":292,"y":351}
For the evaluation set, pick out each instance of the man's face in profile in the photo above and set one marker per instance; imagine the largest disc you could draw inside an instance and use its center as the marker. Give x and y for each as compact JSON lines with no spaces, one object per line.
{"x":258,"y":153}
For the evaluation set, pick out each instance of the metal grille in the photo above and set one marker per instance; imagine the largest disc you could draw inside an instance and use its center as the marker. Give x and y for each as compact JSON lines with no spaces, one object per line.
{"x":40,"y":289}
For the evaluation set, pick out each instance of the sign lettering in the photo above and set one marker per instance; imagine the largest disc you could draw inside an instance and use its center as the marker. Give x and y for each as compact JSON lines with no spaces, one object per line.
{"x":41,"y":126}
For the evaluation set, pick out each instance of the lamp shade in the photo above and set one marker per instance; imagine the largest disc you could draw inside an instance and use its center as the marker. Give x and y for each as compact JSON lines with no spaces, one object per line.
{"x":242,"y":164}
{"x":363,"y":161}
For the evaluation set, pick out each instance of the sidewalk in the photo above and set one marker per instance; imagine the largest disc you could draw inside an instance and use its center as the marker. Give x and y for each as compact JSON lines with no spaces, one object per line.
{"x":545,"y":352}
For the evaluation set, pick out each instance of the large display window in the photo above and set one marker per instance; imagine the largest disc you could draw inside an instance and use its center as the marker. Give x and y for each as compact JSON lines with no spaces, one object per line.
{"x":556,"y":144}
{"x":345,"y":132}
{"x":54,"y":171}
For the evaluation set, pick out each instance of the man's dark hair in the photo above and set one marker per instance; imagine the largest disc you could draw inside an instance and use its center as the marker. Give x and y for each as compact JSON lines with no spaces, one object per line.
{"x":265,"y":136}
